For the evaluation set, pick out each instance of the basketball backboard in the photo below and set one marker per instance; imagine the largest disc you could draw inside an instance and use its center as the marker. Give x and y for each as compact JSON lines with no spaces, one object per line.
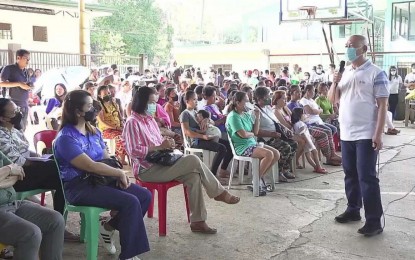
{"x":300,"y":10}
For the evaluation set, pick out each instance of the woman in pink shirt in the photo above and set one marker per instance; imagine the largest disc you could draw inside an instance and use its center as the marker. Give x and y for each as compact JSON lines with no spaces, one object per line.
{"x":142,"y":137}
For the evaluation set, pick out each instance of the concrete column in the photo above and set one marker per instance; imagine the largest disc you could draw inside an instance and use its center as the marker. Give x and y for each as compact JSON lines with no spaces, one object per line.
{"x":13,"y":48}
{"x":82,"y":32}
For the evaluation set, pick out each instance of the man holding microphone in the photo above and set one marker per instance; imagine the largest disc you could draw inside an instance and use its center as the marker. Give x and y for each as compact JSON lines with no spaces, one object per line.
{"x":362,"y":92}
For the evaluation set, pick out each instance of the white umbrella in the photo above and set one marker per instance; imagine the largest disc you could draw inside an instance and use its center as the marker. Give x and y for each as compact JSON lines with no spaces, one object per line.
{"x":71,"y":77}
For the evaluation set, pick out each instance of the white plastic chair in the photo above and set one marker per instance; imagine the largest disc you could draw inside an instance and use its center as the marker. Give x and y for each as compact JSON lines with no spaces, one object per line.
{"x":111,"y":146}
{"x":254,"y":170}
{"x":207,"y":155}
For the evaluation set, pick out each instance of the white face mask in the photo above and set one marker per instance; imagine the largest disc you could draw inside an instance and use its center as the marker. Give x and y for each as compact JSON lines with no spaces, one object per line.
{"x":318,"y":71}
{"x":393,"y":73}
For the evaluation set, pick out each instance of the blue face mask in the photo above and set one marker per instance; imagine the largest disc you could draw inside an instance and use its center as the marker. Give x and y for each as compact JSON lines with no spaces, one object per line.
{"x":151,"y":108}
{"x":350,"y":54}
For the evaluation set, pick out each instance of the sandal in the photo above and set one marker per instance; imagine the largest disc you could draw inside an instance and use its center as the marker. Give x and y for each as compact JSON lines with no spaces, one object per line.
{"x":333,"y":163}
{"x":71,"y":237}
{"x":320,"y":170}
{"x":227,"y":198}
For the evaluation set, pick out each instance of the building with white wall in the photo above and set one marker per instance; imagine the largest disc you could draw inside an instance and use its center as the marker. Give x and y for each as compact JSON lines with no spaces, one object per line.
{"x":45,"y":25}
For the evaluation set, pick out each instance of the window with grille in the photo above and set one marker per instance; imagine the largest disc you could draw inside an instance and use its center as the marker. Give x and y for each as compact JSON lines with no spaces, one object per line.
{"x":403,"y":20}
{"x":6,"y":31}
{"x":40,"y":33}
{"x":277,"y":67}
{"x":224,"y":67}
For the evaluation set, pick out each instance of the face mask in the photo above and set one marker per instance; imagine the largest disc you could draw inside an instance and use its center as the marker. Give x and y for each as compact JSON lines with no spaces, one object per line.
{"x":393,"y":72}
{"x":318,"y":71}
{"x":107,"y":98}
{"x":267,"y":102}
{"x":90,"y":115}
{"x":175,"y":98}
{"x":16,"y":121}
{"x":351,"y":55}
{"x":151,"y":108}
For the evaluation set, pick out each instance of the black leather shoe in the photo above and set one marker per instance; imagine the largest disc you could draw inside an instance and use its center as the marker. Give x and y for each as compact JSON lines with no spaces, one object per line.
{"x":348,"y":217}
{"x":370,"y":230}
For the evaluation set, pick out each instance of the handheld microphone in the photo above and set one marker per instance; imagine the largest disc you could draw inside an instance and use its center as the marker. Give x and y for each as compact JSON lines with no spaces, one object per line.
{"x":342,"y":64}
{"x":341,"y":69}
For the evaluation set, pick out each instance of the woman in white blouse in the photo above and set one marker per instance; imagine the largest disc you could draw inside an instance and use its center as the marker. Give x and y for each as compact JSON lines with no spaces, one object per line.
{"x":395,"y":84}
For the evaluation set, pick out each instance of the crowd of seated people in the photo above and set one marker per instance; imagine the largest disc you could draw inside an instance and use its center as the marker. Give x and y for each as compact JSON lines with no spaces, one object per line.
{"x":262,"y":116}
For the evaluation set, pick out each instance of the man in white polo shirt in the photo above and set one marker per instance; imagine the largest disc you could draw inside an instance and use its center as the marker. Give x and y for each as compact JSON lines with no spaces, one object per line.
{"x":410,"y":78}
{"x":362,"y":93}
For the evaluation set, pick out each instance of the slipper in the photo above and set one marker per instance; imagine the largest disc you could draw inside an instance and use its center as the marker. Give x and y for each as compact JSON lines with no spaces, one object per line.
{"x":320,"y":170}
{"x":205,"y":231}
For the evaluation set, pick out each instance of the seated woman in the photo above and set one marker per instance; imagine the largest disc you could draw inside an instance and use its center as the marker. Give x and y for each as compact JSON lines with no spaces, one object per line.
{"x":32,"y":230}
{"x":188,"y":121}
{"x":142,"y":137}
{"x":330,"y":113}
{"x":270,"y":135}
{"x":163,"y":120}
{"x":110,"y":121}
{"x":242,"y":129}
{"x":53,"y":108}
{"x":283,"y":115}
{"x":316,"y":124}
{"x":172,"y":107}
{"x":39,"y":175}
{"x":79,"y":148}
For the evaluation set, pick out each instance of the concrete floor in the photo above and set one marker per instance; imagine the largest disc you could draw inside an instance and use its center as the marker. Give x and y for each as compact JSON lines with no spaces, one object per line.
{"x":294,"y":222}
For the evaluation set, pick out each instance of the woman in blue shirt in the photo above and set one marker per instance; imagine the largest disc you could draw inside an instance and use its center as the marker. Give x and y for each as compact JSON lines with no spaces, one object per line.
{"x":53,"y":108}
{"x":79,"y":147}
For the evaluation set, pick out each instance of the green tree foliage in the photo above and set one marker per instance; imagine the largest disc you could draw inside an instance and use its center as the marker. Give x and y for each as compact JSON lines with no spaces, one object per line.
{"x":142,"y":26}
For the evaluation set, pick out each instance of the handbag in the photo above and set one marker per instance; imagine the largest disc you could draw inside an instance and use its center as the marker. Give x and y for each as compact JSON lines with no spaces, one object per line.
{"x":165,"y":157}
{"x":286,"y":134}
{"x":95,"y":179}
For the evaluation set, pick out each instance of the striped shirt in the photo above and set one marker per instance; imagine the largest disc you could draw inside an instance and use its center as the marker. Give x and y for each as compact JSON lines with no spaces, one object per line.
{"x":140,"y":133}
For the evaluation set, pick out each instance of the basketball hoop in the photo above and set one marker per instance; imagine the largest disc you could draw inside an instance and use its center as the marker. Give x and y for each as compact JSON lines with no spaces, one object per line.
{"x":311,"y":14}
{"x":311,"y":11}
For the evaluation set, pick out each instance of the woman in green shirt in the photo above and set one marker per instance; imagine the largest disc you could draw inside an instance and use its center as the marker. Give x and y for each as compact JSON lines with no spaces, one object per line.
{"x":242,"y":128}
{"x":330,"y":113}
{"x":32,"y":230}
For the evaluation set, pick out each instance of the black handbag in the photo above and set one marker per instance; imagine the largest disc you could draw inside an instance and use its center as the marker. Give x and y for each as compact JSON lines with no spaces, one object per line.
{"x":286,"y":134}
{"x":95,"y":179}
{"x":165,"y":157}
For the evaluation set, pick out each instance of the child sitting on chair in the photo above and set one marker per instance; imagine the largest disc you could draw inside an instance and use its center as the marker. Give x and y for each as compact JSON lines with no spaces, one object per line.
{"x":206,"y":127}
{"x":300,"y":128}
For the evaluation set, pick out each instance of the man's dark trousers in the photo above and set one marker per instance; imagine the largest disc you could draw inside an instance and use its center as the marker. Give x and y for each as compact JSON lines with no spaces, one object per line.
{"x":359,"y":163}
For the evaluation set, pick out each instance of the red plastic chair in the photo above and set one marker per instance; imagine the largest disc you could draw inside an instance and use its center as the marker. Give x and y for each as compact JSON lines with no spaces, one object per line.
{"x":47,"y":137}
{"x":162,"y":189}
{"x":336,"y":140}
